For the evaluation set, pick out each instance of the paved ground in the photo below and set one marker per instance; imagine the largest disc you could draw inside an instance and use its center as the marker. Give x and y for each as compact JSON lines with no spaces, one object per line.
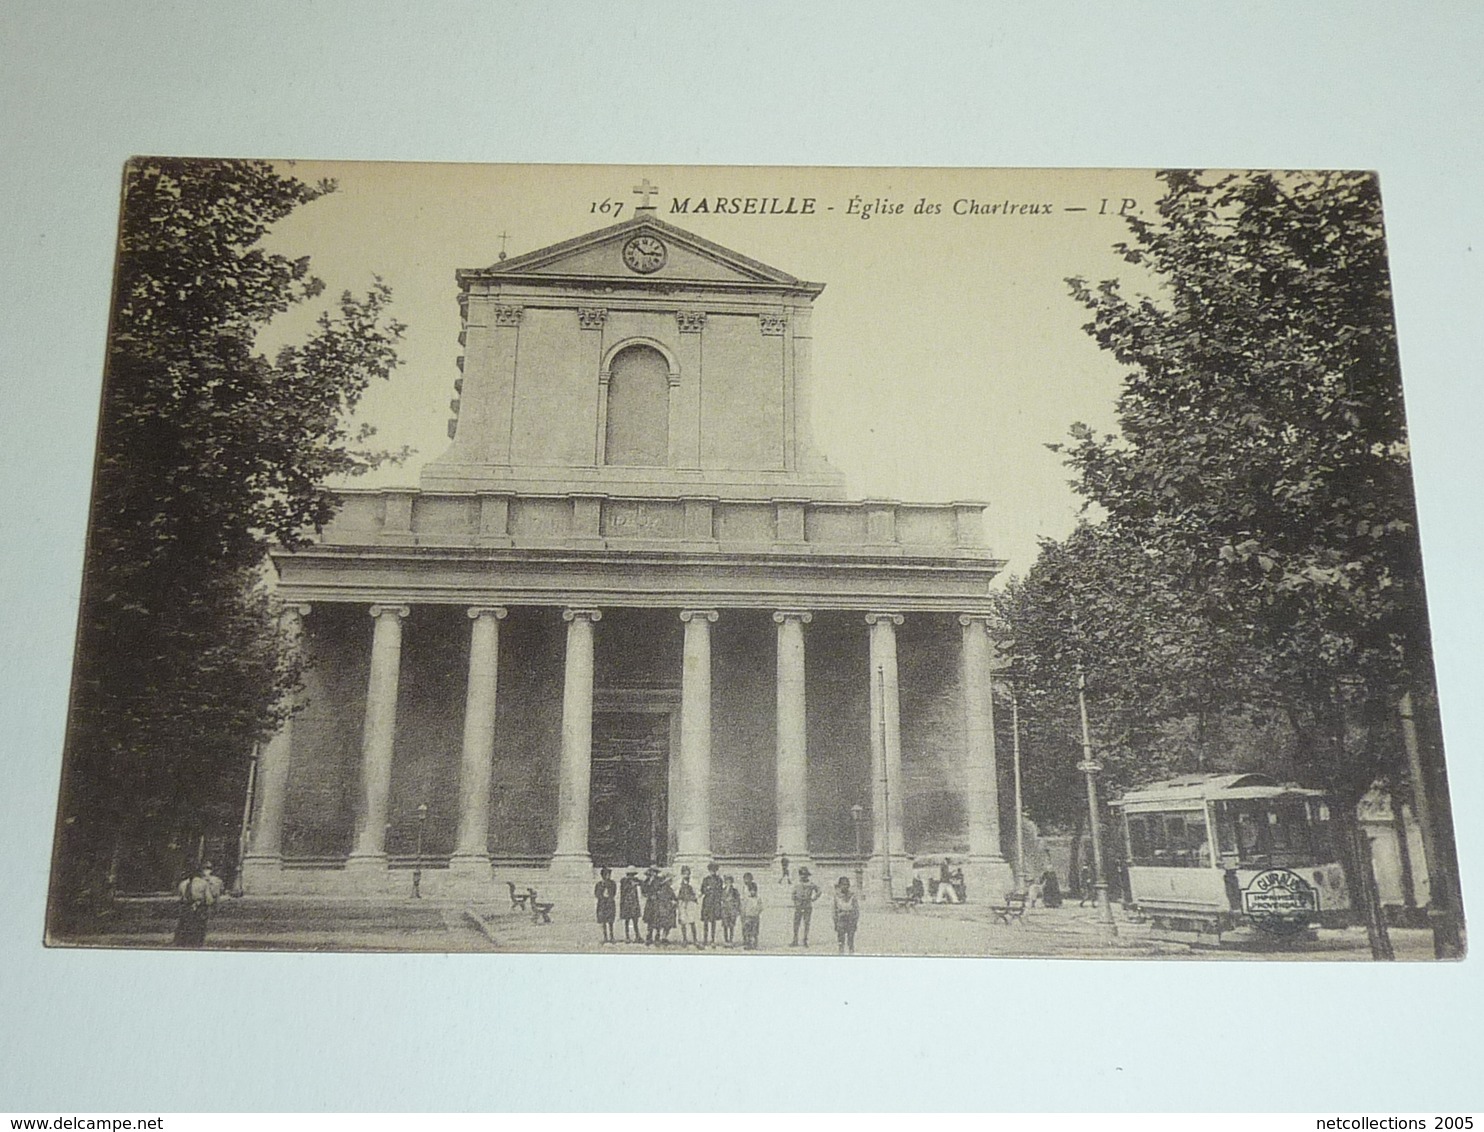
{"x":436,"y":926}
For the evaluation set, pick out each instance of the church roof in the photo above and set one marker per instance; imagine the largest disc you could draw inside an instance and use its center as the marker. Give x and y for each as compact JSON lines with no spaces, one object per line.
{"x":691,"y":259}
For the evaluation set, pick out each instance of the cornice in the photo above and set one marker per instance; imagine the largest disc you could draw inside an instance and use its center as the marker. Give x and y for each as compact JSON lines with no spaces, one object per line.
{"x":523,"y":265}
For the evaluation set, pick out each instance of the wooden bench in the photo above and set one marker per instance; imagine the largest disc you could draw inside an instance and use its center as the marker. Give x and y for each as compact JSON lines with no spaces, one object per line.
{"x":540,"y":912}
{"x":519,"y":901}
{"x":1012,"y":909}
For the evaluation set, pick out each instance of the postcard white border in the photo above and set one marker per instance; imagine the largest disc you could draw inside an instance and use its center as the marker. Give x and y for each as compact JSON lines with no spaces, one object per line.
{"x":86,"y":85}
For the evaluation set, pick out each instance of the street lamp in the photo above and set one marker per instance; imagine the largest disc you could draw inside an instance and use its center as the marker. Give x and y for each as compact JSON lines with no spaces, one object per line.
{"x":885,"y":786}
{"x":417,"y":868}
{"x":244,"y":829}
{"x":858,"y":817}
{"x":1090,"y":767}
{"x":1020,"y":877}
{"x":1008,"y":672}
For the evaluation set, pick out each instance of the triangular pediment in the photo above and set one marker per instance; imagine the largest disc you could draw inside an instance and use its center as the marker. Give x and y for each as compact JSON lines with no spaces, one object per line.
{"x":600,"y":255}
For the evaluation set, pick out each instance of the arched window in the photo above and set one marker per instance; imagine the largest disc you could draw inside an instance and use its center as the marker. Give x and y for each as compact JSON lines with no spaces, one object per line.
{"x":638,"y":433}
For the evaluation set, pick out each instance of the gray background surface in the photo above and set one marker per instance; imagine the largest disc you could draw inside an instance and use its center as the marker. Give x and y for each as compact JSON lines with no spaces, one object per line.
{"x":83,"y":86}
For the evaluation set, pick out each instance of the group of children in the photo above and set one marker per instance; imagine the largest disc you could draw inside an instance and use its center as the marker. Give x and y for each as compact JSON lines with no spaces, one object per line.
{"x":661,"y":906}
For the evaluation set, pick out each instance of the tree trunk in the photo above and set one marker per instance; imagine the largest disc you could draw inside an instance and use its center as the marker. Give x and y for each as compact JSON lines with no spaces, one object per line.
{"x":1447,"y":935}
{"x":1355,"y":847}
{"x":1403,"y":852}
{"x":1363,"y":894}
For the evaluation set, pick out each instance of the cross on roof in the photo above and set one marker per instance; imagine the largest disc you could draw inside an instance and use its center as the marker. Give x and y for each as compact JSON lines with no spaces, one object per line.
{"x":503,"y":237}
{"x":646,"y":190}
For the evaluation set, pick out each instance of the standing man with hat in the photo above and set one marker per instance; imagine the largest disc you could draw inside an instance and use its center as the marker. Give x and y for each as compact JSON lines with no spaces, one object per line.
{"x":805,"y":893}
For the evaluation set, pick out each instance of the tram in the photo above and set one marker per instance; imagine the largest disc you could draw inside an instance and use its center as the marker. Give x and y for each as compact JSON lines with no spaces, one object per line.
{"x":1221,"y":858}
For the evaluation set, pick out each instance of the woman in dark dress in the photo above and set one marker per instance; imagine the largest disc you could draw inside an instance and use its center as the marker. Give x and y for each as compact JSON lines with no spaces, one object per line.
{"x":664,"y":902}
{"x":604,"y":892}
{"x":1051,"y":889}
{"x":711,"y":886}
{"x":628,"y":905}
{"x":650,"y":888}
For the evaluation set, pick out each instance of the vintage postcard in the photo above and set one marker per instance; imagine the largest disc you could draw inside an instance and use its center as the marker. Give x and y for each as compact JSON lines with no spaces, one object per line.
{"x":719,"y":560}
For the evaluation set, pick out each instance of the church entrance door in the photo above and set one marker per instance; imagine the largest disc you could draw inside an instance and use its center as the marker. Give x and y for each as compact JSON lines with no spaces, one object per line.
{"x":628,"y":823}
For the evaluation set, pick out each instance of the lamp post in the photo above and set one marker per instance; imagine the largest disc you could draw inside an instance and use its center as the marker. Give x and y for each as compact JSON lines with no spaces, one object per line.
{"x":245,"y":828}
{"x":885,"y":787}
{"x":1447,"y":940}
{"x":1009,"y":672}
{"x":1020,"y":877}
{"x":858,"y":816}
{"x":1090,"y":767}
{"x":417,"y":867}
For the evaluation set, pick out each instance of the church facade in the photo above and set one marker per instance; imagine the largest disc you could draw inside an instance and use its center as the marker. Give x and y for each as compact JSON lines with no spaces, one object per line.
{"x":631,"y":617}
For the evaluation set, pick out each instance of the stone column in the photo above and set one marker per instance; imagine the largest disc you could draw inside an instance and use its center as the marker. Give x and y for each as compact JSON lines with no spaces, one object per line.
{"x":987,"y":875}
{"x":693,"y":816}
{"x":889,"y":864}
{"x":793,"y":758}
{"x":377,"y":737}
{"x":572,"y":860}
{"x":265,"y":855}
{"x":471,"y":846}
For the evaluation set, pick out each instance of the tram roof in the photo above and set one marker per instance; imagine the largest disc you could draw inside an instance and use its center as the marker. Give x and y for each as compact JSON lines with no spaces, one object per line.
{"x":1193,"y":790}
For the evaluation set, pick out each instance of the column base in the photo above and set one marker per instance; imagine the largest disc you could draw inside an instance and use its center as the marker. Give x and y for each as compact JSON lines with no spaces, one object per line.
{"x":568,"y":883}
{"x":468,"y":873}
{"x":696,"y":862}
{"x":366,"y":873}
{"x":875,"y":878}
{"x":261,"y":875}
{"x":796,"y":861}
{"x":571,"y":868}
{"x":987,"y":879}
{"x":471,"y":865}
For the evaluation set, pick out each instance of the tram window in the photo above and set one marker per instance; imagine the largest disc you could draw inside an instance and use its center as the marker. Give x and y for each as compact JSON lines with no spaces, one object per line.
{"x":1289,"y":828}
{"x":1168,"y":841}
{"x":1185,"y":840}
{"x":1226,"y":830}
{"x":1247,"y":832}
{"x":1173,"y":848}
{"x":1279,"y":833}
{"x":1138,"y":841}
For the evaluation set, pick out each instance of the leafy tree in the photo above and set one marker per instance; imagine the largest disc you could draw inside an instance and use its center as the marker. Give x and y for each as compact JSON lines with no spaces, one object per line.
{"x":207,"y":451}
{"x":1260,"y":484}
{"x":1100,"y":606}
{"x":1263,"y":443}
{"x":1097,"y":605}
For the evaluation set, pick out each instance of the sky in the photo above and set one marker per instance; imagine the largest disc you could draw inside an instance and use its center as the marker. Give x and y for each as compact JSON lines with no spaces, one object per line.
{"x":947,"y":349}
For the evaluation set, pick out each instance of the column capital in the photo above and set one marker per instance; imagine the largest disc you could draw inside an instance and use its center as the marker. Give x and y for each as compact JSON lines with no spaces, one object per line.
{"x":475,"y":612}
{"x":891,"y":618}
{"x":692,"y":614}
{"x":589,"y":614}
{"x":801,"y":615}
{"x":401,"y":611}
{"x":967,"y":619}
{"x":291,"y":616}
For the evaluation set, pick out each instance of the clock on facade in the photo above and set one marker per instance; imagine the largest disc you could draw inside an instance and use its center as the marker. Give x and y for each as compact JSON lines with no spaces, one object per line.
{"x":644,"y":254}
